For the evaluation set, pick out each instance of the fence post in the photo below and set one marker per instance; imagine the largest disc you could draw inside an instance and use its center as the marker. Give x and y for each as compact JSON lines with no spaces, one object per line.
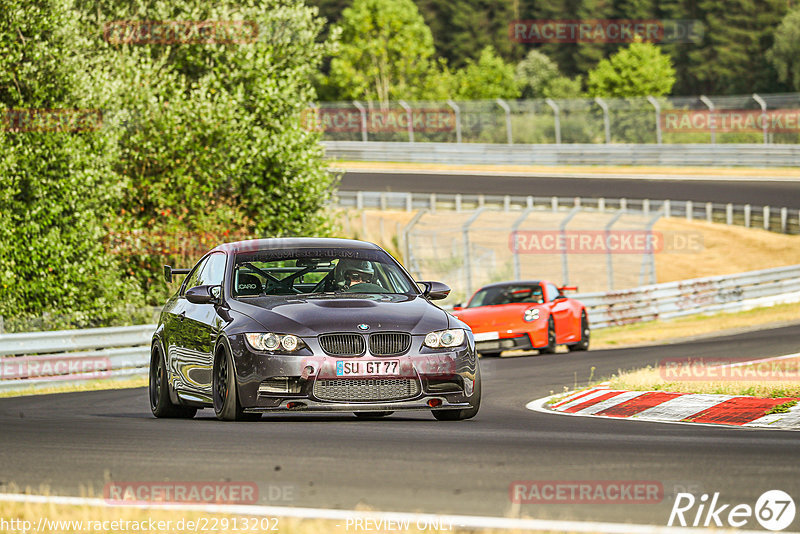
{"x":506,"y":203}
{"x":410,"y":119}
{"x":657,"y":107}
{"x":467,"y":255}
{"x":712,"y":120}
{"x":363,"y":112}
{"x":529,"y":202}
{"x":407,"y":238}
{"x":359,"y":200}
{"x":784,"y":219}
{"x":562,"y":228}
{"x":646,"y":207}
{"x":689,"y":210}
{"x":609,"y":261}
{"x":383,"y":201}
{"x":409,"y":201}
{"x":623,"y":204}
{"x":502,"y":104}
{"x":666,"y":208}
{"x":601,"y":205}
{"x":606,"y":121}
{"x":458,"y":202}
{"x":763,"y":116}
{"x":432,"y":201}
{"x":747,"y":215}
{"x":554,"y":204}
{"x":515,"y":247}
{"x":649,"y":258}
{"x":709,"y":212}
{"x":457,"y":111}
{"x":766,"y":217}
{"x":557,"y":117}
{"x":729,"y":214}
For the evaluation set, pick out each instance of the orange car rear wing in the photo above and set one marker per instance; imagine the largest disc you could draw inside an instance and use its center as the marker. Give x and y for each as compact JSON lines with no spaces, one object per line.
{"x":568,"y":288}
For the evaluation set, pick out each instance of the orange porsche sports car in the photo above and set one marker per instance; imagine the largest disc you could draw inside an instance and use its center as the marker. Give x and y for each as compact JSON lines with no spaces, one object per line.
{"x":525,"y":315}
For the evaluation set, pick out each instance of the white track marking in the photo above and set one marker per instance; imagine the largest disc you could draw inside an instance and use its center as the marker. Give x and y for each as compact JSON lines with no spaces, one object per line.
{"x":613,"y":401}
{"x":681,"y":407}
{"x":464,"y":521}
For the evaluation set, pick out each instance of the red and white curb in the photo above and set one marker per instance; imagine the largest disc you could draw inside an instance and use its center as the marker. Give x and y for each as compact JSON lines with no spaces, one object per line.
{"x":666,"y":407}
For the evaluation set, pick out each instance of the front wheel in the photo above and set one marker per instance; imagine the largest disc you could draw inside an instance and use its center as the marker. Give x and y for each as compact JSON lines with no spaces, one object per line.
{"x":583,"y":344}
{"x":160,"y":403}
{"x":226,"y":398}
{"x":550,"y":348}
{"x":466,"y":413}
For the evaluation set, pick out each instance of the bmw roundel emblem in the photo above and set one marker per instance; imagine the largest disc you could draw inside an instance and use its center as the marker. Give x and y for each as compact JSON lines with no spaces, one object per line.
{"x":363,"y":326}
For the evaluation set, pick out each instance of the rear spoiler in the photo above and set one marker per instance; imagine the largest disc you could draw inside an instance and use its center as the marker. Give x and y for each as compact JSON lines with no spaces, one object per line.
{"x":169,"y":271}
{"x":568,"y":288}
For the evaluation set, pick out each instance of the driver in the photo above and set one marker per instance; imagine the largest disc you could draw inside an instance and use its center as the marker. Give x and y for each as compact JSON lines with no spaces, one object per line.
{"x":358,"y":276}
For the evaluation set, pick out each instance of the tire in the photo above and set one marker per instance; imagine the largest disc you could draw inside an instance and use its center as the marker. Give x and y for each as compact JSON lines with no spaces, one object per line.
{"x":583,"y":344}
{"x":550,"y":348}
{"x":158,"y":388}
{"x":224,"y":392}
{"x":466,"y":413}
{"x":372,"y":415}
{"x":490,"y":354}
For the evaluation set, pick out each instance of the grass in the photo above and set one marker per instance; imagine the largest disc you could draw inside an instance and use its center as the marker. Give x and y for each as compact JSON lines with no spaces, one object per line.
{"x":782,"y":408}
{"x":88,"y":385}
{"x":97,"y":519}
{"x":652,"y":378}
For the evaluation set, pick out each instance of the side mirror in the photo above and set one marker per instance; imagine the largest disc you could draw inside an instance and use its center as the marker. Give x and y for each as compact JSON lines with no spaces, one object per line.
{"x":459,"y":306}
{"x":203,"y":295}
{"x":435,"y":290}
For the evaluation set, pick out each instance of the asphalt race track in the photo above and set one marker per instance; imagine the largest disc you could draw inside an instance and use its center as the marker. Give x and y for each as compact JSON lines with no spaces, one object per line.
{"x":759,"y":193}
{"x":71,"y":442}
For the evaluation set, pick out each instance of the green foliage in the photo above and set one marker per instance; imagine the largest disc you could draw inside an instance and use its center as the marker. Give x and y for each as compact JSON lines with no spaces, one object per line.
{"x":386,"y":52}
{"x":638,"y":70}
{"x":490,"y":77}
{"x":785,"y":53}
{"x":538,"y":76}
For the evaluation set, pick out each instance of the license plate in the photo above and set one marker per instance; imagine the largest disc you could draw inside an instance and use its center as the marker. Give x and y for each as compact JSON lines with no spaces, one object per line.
{"x":486,"y":336}
{"x":368,"y":368}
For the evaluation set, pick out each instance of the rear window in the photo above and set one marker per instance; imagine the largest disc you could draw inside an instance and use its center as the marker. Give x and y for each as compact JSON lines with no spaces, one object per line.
{"x":492,"y":296}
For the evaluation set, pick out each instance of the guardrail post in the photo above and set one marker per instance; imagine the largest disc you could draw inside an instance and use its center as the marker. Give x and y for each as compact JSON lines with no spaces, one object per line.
{"x":709,"y":212}
{"x":689,"y":210}
{"x":729,"y":214}
{"x":784,"y":225}
{"x":529,"y":202}
{"x":432,"y":202}
{"x":747,"y":215}
{"x":409,"y":201}
{"x":657,"y":107}
{"x":506,"y":203}
{"x":556,"y":117}
{"x":481,"y":200}
{"x":601,"y":205}
{"x":554,"y":203}
{"x":515,"y":249}
{"x":363,"y":112}
{"x":712,"y":120}
{"x":410,"y":118}
{"x":763,"y":105}
{"x":666,"y":207}
{"x":458,"y":202}
{"x":766,"y":217}
{"x":562,"y":229}
{"x":457,"y":111}
{"x":359,"y":200}
{"x":502,"y":104}
{"x":383,"y":201}
{"x":623,"y":204}
{"x":606,"y":121}
{"x":646,"y":207}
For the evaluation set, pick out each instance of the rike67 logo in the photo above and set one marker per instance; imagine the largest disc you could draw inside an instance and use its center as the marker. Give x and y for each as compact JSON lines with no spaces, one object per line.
{"x":774,"y":510}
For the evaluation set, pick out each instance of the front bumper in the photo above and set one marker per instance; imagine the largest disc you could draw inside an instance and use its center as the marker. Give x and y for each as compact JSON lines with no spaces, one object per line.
{"x":516,"y":342}
{"x":441,"y":380}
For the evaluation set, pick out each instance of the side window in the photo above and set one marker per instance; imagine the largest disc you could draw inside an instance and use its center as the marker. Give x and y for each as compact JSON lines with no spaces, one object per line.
{"x":193,"y":279}
{"x":214,"y":271}
{"x":552,"y":292}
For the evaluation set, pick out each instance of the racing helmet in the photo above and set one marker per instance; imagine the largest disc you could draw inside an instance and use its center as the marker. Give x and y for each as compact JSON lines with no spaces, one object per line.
{"x":345,"y":267}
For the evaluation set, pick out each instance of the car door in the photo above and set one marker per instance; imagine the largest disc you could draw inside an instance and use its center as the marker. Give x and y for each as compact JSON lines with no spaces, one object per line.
{"x":561,"y":312}
{"x":201,"y":326}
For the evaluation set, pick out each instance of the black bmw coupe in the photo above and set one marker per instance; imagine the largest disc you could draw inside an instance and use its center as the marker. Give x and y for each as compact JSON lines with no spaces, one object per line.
{"x":306,"y":324}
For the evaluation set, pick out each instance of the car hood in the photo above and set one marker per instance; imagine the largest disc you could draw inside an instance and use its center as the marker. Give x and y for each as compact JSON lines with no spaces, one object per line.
{"x":494,"y":318}
{"x":310,"y":316}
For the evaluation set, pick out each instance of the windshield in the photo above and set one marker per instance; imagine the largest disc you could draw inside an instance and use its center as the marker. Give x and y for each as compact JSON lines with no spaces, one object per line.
{"x":318,"y":271}
{"x":491,"y":296}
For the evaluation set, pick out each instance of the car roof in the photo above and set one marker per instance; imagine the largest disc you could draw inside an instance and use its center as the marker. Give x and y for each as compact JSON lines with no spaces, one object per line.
{"x":514,"y":283}
{"x":295,"y":242}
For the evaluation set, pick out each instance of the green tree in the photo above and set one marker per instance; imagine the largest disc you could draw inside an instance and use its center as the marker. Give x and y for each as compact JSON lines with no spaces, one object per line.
{"x":58,"y":185}
{"x":538,"y":76}
{"x":386,"y":52}
{"x":639,"y":70}
{"x":489,"y":77}
{"x":785,"y":53}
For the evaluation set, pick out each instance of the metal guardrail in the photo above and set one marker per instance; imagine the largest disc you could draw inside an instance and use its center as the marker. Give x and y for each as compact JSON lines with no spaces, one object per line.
{"x":727,"y":155}
{"x":693,"y":297}
{"x":46,"y":359}
{"x":778,"y":219}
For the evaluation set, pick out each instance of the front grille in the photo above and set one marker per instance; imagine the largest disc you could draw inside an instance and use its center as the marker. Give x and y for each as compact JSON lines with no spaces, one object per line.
{"x":389,"y":343}
{"x":358,"y":390}
{"x":342,"y":344}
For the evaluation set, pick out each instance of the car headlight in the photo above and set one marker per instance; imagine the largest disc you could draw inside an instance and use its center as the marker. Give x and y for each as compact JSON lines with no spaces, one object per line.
{"x":531,"y":314}
{"x":274,"y":342}
{"x":445,"y":338}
